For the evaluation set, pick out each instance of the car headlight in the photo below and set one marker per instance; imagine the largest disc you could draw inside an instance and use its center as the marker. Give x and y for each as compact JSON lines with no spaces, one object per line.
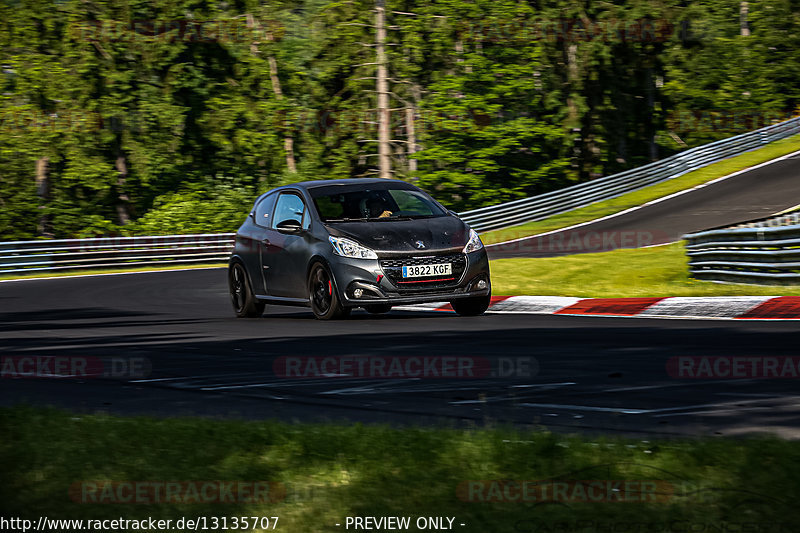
{"x":347,"y":248}
{"x":474,"y":243}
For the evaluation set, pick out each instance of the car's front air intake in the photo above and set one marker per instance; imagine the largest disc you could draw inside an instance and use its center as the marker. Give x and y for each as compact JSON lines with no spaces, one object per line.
{"x":420,"y":280}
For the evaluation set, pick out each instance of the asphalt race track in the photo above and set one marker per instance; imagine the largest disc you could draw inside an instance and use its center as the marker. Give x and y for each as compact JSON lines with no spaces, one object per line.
{"x":565,"y":373}
{"x":754,"y":194}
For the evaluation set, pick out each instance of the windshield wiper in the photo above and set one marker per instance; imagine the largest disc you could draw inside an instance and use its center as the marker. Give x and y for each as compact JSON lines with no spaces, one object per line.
{"x":368,"y":219}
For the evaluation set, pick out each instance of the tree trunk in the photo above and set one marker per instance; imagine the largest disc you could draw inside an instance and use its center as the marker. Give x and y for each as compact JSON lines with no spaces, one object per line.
{"x":744,"y":26}
{"x":123,"y":201}
{"x":573,"y":123}
{"x":288,"y":141}
{"x":411,"y":117}
{"x":43,"y":193}
{"x":572,"y":81}
{"x":384,"y":157}
{"x":459,"y":46}
{"x":651,"y":108}
{"x":412,"y":138}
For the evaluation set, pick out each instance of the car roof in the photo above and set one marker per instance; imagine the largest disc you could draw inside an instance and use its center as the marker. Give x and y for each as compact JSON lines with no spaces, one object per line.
{"x":306,"y":185}
{"x":347,"y":181}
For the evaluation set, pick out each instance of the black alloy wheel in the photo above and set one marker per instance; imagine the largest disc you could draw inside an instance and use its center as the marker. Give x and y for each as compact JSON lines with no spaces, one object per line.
{"x":322,"y":294}
{"x":244,"y":302}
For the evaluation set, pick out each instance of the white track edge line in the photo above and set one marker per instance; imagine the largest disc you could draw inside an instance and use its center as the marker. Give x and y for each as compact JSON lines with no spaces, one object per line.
{"x":652,"y":202}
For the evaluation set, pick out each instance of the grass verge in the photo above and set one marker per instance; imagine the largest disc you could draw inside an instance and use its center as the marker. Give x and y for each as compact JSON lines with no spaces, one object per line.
{"x":647,"y":194}
{"x":657,"y":271}
{"x":334,"y":471}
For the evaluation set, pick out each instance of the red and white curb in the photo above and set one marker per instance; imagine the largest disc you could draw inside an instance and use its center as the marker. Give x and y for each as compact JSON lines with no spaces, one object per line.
{"x":740,"y":307}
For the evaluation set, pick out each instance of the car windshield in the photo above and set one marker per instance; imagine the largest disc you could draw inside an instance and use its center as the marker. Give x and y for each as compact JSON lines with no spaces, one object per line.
{"x":377,"y":203}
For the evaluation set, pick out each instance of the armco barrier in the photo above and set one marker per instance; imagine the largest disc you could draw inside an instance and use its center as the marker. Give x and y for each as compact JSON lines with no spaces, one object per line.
{"x":552,"y":203}
{"x":53,"y":255}
{"x":73,"y":254}
{"x":763,"y":251}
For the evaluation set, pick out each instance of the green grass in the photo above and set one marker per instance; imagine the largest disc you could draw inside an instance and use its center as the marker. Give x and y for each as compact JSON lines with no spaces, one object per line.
{"x":642,"y":196}
{"x":90,"y":272}
{"x":334,"y":471}
{"x":657,"y":271}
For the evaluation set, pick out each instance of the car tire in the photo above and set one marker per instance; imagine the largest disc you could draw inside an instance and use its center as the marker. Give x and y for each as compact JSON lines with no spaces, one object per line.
{"x":378,"y":309}
{"x":472,"y":306}
{"x":322,"y":294}
{"x":245,"y":304}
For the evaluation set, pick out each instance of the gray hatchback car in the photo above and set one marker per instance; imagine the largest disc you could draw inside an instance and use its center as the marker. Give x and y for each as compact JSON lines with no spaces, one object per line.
{"x":335,"y":245}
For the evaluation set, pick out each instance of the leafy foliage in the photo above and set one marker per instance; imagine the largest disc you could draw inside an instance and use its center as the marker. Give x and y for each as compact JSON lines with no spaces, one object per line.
{"x":201,"y":208}
{"x":122,"y":116}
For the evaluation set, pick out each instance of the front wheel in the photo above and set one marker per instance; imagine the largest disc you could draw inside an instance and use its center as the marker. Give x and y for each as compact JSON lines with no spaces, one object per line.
{"x":471,"y":306}
{"x":244,"y":302}
{"x":324,"y":301}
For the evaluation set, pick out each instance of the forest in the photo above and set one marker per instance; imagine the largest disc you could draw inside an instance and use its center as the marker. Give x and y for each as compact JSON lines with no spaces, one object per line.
{"x":125,"y":117}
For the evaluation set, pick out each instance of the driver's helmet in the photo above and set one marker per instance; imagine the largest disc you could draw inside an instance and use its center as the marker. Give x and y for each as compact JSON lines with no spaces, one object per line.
{"x":374,"y":205}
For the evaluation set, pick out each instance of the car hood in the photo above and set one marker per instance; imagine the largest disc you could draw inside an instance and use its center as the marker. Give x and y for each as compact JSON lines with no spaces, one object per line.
{"x":434,"y":234}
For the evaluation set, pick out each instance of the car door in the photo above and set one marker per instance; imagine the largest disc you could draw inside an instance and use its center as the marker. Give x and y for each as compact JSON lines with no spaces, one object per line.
{"x":250,"y":241}
{"x":285,"y":256}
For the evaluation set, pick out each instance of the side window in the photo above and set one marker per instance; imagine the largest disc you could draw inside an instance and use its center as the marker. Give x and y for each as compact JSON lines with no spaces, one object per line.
{"x":290,"y":207}
{"x":264,"y":210}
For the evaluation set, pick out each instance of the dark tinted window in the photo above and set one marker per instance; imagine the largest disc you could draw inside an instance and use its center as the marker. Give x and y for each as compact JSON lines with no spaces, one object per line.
{"x":374,"y":203}
{"x":264,"y":210}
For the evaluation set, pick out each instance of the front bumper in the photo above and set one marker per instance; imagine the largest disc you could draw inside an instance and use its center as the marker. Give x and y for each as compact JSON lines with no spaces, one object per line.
{"x":377,"y":289}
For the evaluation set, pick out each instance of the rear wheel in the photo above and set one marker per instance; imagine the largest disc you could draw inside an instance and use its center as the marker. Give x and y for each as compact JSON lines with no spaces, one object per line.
{"x":244,"y":302}
{"x":324,"y":301}
{"x":378,"y":309}
{"x":471,"y":306}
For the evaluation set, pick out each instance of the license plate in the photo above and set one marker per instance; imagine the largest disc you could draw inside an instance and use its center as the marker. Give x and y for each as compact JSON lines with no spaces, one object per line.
{"x":422,"y":271}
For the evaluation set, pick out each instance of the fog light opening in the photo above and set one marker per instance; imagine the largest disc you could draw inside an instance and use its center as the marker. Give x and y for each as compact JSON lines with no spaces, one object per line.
{"x":481,"y":284}
{"x":358,"y":293}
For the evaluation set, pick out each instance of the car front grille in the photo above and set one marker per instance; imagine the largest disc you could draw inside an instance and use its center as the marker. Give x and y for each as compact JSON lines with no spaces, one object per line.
{"x":393,"y":269}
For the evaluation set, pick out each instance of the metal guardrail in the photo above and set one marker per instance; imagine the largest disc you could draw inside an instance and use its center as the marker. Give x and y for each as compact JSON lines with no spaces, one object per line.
{"x":65,"y":254}
{"x":580,"y":195}
{"x":764,"y":251}
{"x":53,"y":255}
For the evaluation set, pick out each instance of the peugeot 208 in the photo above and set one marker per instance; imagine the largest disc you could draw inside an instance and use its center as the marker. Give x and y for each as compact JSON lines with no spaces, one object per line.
{"x":335,"y":245}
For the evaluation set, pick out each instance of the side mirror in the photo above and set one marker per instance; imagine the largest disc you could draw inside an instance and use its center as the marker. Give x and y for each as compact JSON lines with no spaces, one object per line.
{"x":289,"y":227}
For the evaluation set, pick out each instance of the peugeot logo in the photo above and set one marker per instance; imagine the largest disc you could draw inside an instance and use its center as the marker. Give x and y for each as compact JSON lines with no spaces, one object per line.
{"x":419,"y":244}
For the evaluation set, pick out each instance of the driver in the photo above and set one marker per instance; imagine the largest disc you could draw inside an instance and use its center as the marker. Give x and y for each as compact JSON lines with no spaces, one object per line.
{"x":377,"y":207}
